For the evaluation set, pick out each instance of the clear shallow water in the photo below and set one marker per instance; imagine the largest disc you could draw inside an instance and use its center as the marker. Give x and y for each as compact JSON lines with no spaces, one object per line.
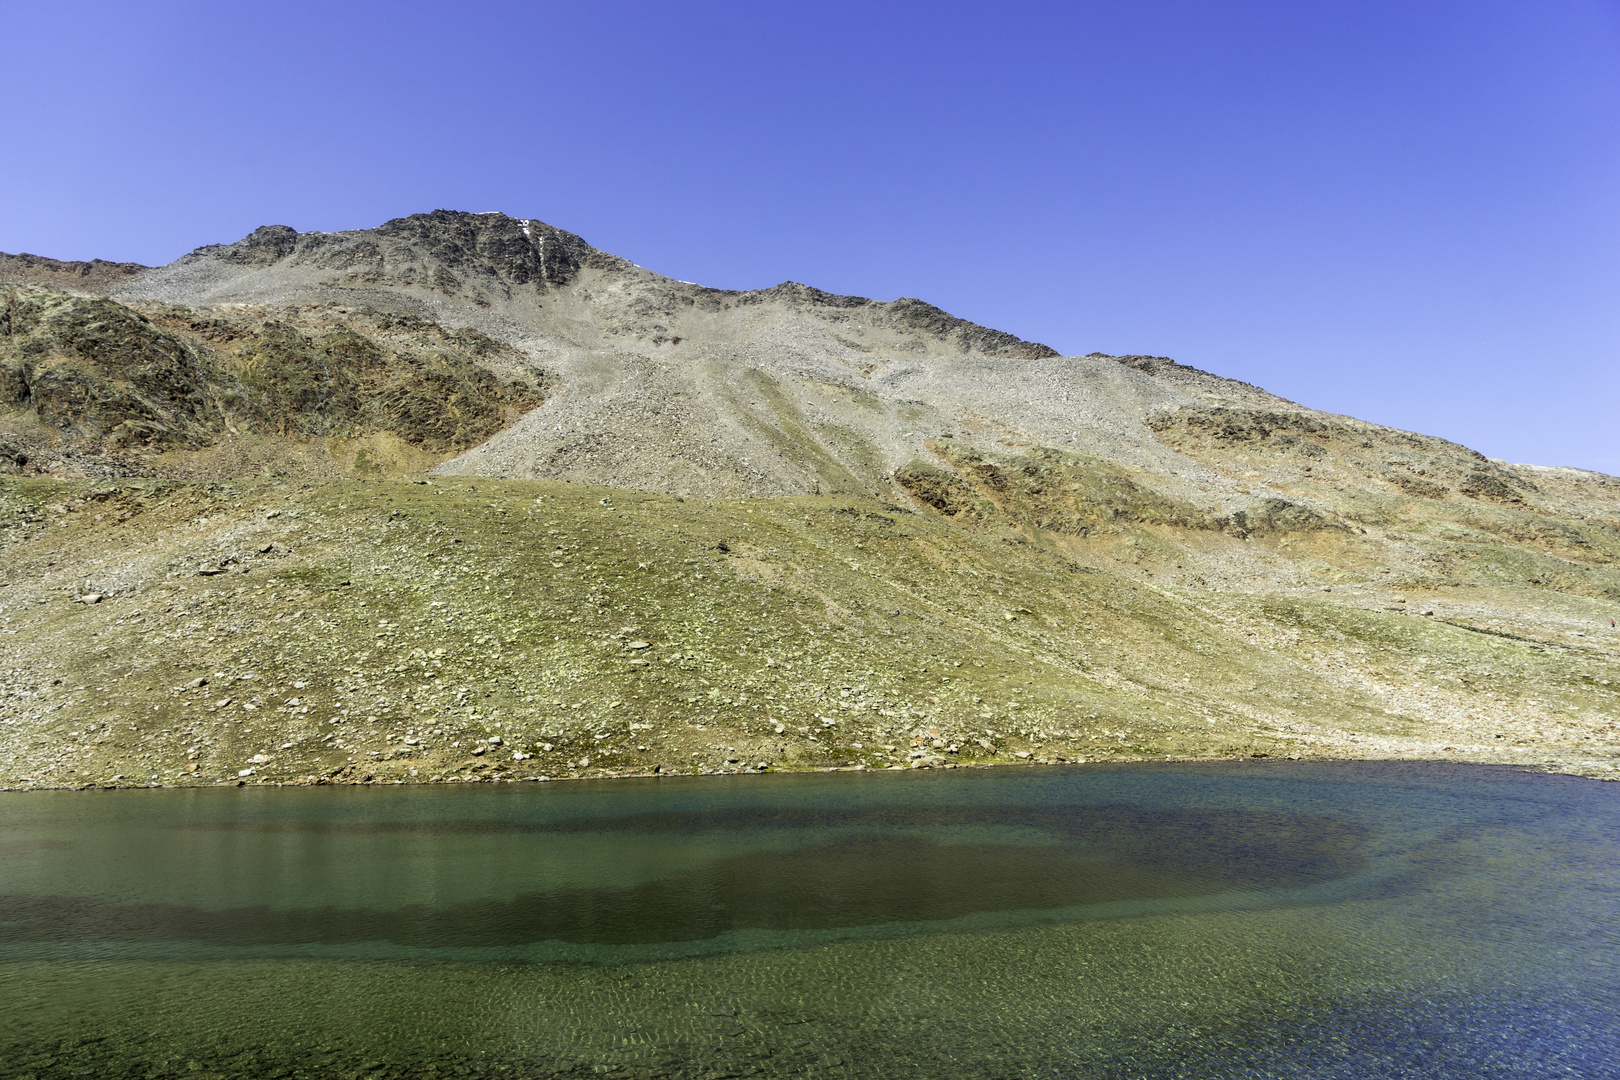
{"x":1230,"y":920}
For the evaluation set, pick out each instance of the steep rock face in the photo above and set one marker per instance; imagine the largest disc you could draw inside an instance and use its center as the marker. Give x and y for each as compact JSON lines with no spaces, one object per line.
{"x":512,"y":251}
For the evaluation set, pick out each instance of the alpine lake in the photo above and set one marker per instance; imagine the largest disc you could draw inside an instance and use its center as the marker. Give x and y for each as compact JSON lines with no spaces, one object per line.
{"x":1231,"y":919}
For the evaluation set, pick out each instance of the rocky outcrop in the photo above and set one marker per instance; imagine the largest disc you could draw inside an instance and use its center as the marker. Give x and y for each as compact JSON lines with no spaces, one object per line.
{"x":906,"y":314}
{"x":1381,"y":458}
{"x":102,"y":377}
{"x":95,"y":370}
{"x":1047,"y":489}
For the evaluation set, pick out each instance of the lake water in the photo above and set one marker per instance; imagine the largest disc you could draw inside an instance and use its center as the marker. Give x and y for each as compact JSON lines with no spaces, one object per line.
{"x":1225,"y":920}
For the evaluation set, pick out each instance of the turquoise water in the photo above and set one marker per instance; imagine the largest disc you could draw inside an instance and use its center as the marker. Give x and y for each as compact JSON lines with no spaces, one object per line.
{"x":1222,"y":920}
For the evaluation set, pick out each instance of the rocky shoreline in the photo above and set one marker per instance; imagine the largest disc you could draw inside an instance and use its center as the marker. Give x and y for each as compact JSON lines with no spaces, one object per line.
{"x":366,"y":779}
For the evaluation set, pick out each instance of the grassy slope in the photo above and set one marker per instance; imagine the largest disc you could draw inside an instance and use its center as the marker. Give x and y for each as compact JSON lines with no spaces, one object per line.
{"x":454,"y":611}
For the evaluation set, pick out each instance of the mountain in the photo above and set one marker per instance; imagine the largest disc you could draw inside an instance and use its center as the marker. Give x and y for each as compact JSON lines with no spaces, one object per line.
{"x":660,"y":384}
{"x":497,"y":483}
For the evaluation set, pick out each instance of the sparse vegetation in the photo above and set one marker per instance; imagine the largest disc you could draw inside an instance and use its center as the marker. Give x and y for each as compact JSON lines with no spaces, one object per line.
{"x":345,"y":630}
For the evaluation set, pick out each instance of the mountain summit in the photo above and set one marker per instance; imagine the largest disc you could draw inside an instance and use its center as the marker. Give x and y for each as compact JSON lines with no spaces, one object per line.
{"x":657,"y":383}
{"x":518,"y":267}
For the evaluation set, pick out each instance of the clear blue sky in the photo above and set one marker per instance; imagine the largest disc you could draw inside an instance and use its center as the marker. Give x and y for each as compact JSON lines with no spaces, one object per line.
{"x":1407,"y":211}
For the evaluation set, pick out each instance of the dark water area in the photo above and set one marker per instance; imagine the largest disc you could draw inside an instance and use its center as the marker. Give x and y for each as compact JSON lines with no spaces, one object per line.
{"x":1222,"y":920}
{"x":867,"y":867}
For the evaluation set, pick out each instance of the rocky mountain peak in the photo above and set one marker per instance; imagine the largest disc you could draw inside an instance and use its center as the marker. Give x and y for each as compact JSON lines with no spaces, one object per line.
{"x":261,"y":247}
{"x":482,"y":256}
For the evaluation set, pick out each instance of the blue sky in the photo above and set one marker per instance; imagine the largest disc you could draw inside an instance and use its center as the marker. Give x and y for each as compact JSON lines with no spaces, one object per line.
{"x":1409,"y":212}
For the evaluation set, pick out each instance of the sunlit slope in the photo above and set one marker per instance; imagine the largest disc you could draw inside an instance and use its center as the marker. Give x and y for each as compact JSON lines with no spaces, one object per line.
{"x":387,"y":629}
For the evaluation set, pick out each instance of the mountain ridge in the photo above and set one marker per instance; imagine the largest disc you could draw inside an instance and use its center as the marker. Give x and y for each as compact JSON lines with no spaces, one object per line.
{"x":498,"y":254}
{"x":594,"y":320}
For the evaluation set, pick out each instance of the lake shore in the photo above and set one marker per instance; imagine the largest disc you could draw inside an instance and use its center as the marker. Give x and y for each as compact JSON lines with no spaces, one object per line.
{"x":1563,"y":765}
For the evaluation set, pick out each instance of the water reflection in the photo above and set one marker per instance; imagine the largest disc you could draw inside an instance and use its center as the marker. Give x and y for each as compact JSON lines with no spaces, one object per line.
{"x":858,"y":867}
